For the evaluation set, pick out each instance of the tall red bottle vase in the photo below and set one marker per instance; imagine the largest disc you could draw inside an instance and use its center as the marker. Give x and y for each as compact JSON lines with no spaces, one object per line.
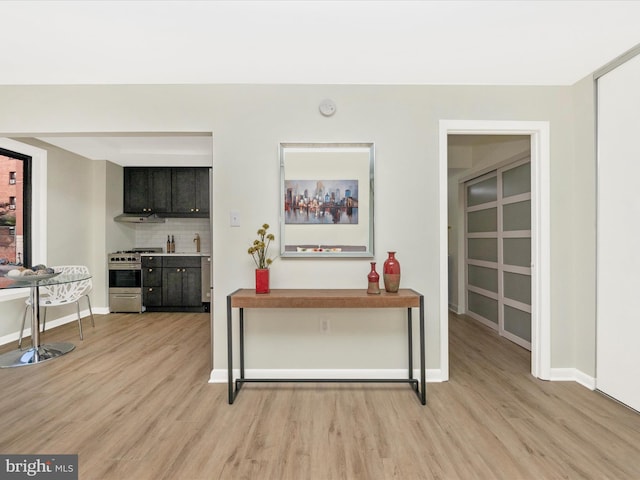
{"x":391,"y":273}
{"x":374,"y":280}
{"x":262,"y":280}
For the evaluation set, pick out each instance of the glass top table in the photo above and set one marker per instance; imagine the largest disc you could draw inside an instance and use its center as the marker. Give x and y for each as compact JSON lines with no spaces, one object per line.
{"x":38,"y":352}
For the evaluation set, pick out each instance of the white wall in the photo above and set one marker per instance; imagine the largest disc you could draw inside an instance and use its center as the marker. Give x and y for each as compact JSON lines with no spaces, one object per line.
{"x":248,"y":122}
{"x":119,"y":236}
{"x":583,"y":223}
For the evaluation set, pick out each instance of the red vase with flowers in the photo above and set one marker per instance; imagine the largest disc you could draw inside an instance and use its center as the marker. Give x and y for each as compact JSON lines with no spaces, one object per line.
{"x":259,"y":252}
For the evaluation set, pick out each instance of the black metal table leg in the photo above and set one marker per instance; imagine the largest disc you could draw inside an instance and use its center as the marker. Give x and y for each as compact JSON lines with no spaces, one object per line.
{"x":423,"y":375}
{"x":410,"y":338}
{"x":230,"y":351}
{"x":241,"y":310}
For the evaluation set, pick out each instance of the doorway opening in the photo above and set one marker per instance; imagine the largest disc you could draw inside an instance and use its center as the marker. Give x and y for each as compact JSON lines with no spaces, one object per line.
{"x":121,"y":149}
{"x":536,"y":135}
{"x":490,"y":232}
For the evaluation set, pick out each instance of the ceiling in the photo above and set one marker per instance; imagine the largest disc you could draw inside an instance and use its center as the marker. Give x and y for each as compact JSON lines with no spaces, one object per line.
{"x":312,"y":42}
{"x":304,"y":42}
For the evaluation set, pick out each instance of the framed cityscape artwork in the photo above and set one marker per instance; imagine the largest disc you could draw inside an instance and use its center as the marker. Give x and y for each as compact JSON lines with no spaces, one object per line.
{"x":326,"y":207}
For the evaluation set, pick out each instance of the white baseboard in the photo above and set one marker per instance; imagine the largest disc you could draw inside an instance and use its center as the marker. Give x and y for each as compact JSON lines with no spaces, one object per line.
{"x":573,"y":375}
{"x":13,"y":337}
{"x":220,"y":375}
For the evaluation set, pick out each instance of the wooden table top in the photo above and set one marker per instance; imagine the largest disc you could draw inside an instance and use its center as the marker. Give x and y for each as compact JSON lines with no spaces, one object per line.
{"x":324,"y":298}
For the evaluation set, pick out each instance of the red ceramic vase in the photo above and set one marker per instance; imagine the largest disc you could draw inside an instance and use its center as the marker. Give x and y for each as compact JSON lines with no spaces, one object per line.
{"x":391,"y":273}
{"x":262,"y":280}
{"x":374,"y":280}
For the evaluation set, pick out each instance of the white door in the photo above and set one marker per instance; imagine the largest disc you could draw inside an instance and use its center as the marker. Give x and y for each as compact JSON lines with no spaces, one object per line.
{"x":618,"y":237}
{"x":498,"y":251}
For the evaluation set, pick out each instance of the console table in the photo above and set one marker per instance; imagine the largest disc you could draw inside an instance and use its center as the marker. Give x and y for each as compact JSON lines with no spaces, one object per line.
{"x":324,"y":298}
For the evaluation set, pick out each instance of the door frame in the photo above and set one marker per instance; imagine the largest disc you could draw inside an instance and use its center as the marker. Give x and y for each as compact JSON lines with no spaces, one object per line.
{"x":540,"y":233}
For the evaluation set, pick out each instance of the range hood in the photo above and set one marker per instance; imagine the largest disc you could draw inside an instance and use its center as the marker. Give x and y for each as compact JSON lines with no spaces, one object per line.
{"x":139,"y":218}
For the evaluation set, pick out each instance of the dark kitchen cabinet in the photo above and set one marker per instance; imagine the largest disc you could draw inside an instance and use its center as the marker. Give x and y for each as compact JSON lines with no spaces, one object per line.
{"x":190,"y":191}
{"x":181,"y":282}
{"x":172,"y":283}
{"x":147,"y":189}
{"x":151,"y":281}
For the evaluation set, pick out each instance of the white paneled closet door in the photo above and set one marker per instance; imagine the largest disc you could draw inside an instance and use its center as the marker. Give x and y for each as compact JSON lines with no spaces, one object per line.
{"x":618,"y":237}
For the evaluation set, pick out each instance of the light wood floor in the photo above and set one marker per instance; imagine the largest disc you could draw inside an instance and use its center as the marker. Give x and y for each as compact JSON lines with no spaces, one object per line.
{"x":133,"y":401}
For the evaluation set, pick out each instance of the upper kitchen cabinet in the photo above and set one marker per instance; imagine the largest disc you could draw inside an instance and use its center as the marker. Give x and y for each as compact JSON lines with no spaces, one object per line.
{"x":167,"y":191}
{"x":190,"y":191}
{"x":147,"y":190}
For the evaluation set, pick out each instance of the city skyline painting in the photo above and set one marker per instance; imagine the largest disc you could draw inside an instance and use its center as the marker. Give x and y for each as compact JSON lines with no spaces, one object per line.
{"x":321,"y":202}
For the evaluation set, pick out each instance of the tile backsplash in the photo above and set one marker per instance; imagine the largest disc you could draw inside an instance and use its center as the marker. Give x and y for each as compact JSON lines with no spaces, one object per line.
{"x":183,"y":231}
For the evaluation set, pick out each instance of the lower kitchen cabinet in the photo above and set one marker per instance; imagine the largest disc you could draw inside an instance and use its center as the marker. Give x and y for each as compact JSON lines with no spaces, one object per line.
{"x":175,"y":287}
{"x":152,"y":281}
{"x":181,"y":287}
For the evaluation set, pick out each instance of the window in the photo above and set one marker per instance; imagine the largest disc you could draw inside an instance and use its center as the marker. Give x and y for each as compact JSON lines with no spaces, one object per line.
{"x":15,"y":208}
{"x":31,"y":204}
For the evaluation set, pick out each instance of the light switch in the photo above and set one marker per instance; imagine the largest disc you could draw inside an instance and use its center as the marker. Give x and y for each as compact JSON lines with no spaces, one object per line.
{"x":234,"y":218}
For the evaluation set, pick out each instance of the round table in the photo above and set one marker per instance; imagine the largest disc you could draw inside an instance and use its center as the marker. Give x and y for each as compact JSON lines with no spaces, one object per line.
{"x":38,"y":352}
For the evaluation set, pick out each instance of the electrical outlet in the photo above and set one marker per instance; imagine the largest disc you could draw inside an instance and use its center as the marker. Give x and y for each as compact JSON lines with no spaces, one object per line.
{"x":325,"y":326}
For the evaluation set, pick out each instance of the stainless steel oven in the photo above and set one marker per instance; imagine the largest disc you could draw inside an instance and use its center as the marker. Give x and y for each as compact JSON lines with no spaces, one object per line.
{"x":125,"y":280}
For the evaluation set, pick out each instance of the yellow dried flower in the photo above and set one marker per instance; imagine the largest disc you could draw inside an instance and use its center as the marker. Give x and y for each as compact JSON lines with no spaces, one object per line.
{"x":259,"y":248}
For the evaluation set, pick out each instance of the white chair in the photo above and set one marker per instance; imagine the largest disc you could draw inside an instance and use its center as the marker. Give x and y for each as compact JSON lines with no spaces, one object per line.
{"x":62,"y":294}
